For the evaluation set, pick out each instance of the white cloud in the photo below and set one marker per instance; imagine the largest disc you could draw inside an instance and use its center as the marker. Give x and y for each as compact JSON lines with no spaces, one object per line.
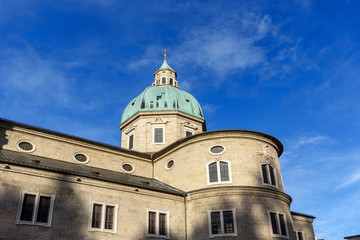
{"x":209,"y":109}
{"x":314,"y":140}
{"x":354,"y":178}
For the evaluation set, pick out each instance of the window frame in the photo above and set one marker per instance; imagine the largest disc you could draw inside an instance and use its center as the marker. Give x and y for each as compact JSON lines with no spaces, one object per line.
{"x":278,"y":224}
{"x":153,"y":137}
{"x":188,"y":130}
{"x":157,"y":219}
{"x":297,"y":236}
{"x":128,"y":142}
{"x":35,"y":209}
{"x":122,"y":167}
{"x":162,"y":79}
{"x":103,"y":217}
{"x":222,"y":234}
{"x":218,"y":172}
{"x":268,"y":165}
{"x":27,"y":151}
{"x":87,"y":157}
{"x":224,"y":149}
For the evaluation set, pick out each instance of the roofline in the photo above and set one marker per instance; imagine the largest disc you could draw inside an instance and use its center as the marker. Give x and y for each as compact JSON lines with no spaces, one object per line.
{"x":35,"y":165}
{"x":9,"y":123}
{"x":149,"y":156}
{"x":302,"y":215}
{"x":164,"y":112}
{"x":350,"y":237}
{"x":183,"y":140}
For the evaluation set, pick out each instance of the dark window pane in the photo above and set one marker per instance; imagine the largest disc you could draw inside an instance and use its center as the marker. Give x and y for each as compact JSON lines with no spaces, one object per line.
{"x":213,"y":172}
{"x":215,"y":223}
{"x":159,"y":135}
{"x":188,"y":134}
{"x":163,"y":79}
{"x":217,"y":149}
{"x":224,"y":171}
{"x":170,"y":164}
{"x":152,"y":216}
{"x":171,"y":81}
{"x":274,"y":223}
{"x":43,"y":210}
{"x":282,"y":224}
{"x":81,"y":157}
{"x":109,"y":217}
{"x":96,"y":217}
{"x":300,"y":236}
{"x":131,"y":142}
{"x":162,"y":224}
{"x":26,"y":146}
{"x":272,"y":175}
{"x":127,"y":167}
{"x":27,"y":207}
{"x":228,"y":222}
{"x":264,"y":173}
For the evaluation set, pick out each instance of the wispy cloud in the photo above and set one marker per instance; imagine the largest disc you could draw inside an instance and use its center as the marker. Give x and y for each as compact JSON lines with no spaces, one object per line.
{"x":352,"y":179}
{"x":314,"y":140}
{"x":209,"y":109}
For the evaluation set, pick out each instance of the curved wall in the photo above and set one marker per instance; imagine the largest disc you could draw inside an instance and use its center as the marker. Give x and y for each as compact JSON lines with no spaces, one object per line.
{"x":244,"y":152}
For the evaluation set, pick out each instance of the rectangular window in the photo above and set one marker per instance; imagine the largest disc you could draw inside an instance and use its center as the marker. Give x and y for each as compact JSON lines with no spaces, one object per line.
{"x":278,"y":224}
{"x":159,"y":135}
{"x":222,"y":223}
{"x":299,"y":235}
{"x":131,"y":141}
{"x":152,"y":223}
{"x":158,"y":224}
{"x":103,"y":217}
{"x":188,"y":133}
{"x":268,"y":175}
{"x":163,"y":80}
{"x":36,"y":209}
{"x":171,"y":81}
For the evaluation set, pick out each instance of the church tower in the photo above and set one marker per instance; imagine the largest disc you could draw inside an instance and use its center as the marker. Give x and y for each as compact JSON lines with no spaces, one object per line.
{"x":161,"y":114}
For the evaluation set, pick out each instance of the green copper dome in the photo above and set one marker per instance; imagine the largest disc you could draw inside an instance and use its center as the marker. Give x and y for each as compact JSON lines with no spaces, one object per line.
{"x":162,"y":98}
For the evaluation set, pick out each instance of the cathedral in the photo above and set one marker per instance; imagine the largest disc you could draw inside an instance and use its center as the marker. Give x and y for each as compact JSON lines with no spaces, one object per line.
{"x":170,"y":179}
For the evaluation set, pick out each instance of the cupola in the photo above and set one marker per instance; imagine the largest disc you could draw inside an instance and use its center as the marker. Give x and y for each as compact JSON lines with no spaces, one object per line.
{"x":165,"y":75}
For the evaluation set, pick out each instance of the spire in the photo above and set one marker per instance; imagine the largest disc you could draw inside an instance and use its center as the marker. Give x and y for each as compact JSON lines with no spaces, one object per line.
{"x":165,"y":65}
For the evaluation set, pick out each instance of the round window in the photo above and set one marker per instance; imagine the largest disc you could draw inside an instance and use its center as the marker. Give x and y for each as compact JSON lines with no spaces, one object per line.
{"x":217,"y":149}
{"x":26,"y":146}
{"x":127,"y":167}
{"x":170,"y":164}
{"x":80,"y":157}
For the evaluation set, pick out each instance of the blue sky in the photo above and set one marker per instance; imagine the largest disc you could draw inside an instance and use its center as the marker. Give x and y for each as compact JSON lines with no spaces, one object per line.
{"x":287,"y":68}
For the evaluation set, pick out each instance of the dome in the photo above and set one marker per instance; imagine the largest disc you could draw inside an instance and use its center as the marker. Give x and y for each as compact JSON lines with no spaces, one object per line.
{"x":163,"y":98}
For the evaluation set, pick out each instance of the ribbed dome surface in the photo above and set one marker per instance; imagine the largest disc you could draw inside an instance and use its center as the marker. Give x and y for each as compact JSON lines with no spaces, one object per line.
{"x":163,"y":98}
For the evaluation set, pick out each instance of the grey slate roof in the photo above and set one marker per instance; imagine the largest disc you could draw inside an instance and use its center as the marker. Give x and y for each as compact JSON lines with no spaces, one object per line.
{"x":53,"y":165}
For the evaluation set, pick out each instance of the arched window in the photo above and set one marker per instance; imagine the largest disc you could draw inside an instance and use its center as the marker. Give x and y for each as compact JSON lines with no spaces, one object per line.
{"x":219,"y":172}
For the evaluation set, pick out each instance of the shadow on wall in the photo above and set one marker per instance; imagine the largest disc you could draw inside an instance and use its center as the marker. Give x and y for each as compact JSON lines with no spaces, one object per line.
{"x":3,"y":137}
{"x":251,"y":219}
{"x":67,"y":221}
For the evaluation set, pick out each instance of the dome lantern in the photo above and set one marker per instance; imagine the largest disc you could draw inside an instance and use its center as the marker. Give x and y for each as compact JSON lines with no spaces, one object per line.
{"x":165,"y":75}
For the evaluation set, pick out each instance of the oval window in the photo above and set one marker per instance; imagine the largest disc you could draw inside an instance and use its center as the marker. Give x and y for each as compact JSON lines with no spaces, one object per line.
{"x":169,"y":164}
{"x":127,"y":167}
{"x":26,"y":146}
{"x":217,"y":149}
{"x":80,"y":157}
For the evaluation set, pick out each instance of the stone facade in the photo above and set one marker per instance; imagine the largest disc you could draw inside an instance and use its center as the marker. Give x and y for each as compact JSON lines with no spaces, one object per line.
{"x":194,"y":185}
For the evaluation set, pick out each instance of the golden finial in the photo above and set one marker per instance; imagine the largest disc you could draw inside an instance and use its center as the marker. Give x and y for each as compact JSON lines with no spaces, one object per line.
{"x":165,"y":53}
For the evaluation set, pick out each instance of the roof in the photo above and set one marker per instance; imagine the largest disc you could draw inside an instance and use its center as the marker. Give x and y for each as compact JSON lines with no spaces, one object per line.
{"x":10,"y":124}
{"x":355,"y":237}
{"x":163,"y":98}
{"x":302,"y":214}
{"x":165,"y":65}
{"x":53,"y":165}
